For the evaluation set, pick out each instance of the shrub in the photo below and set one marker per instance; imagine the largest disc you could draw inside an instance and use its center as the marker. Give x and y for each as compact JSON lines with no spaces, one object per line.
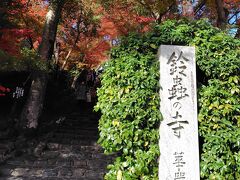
{"x":129,"y":100}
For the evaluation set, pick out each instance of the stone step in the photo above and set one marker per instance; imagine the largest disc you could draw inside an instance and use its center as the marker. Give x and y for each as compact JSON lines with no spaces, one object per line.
{"x":83,"y":160}
{"x":71,"y":127}
{"x":6,"y":150}
{"x":81,"y":116}
{"x":80,"y":123}
{"x":81,"y":111}
{"x":78,"y":134}
{"x":69,"y":152}
{"x":81,"y":130}
{"x":80,"y":152}
{"x":4,"y":136}
{"x":92,"y":148}
{"x":37,"y":172}
{"x":6,"y":145}
{"x":75,"y":136}
{"x":48,"y":172}
{"x":46,"y":178}
{"x":84,"y":132}
{"x":68,"y":141}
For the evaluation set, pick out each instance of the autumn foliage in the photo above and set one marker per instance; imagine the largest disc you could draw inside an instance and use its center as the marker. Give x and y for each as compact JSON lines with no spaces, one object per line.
{"x":88,"y":29}
{"x":24,"y":25}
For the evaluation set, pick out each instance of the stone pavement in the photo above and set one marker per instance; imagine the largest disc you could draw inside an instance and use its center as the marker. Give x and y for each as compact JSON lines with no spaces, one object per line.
{"x":69,"y":151}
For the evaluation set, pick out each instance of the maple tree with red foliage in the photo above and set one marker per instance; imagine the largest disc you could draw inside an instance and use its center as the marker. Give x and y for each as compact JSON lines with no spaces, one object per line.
{"x":80,"y":37}
{"x":27,"y":18}
{"x":24,"y":22}
{"x":82,"y":32}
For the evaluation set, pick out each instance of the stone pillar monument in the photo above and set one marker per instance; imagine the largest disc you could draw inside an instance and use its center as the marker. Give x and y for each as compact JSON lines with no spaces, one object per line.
{"x":179,"y":158}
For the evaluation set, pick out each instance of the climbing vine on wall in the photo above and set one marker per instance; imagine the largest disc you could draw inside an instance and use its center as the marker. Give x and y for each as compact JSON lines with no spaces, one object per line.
{"x":129,"y":101}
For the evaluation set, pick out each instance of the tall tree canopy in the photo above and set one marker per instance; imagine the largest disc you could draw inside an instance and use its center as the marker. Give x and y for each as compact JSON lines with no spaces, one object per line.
{"x":84,"y":24}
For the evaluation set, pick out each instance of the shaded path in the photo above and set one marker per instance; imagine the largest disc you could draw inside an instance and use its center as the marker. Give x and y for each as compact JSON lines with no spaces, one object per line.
{"x":69,"y":151}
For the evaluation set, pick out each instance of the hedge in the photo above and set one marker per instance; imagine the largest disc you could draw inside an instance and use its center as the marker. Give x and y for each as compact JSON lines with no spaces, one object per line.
{"x":129,"y":101}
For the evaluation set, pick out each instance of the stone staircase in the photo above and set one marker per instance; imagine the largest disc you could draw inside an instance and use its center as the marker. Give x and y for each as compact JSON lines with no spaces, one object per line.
{"x":6,"y":150}
{"x":69,"y":151}
{"x":7,"y":145}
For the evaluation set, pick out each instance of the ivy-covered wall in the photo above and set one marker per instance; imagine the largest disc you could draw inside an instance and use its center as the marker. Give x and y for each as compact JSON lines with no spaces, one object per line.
{"x":129,"y":101}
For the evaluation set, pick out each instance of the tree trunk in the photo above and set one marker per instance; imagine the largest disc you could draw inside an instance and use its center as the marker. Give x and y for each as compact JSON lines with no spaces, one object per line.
{"x":221,"y":14}
{"x":34,"y":105}
{"x":50,"y":29}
